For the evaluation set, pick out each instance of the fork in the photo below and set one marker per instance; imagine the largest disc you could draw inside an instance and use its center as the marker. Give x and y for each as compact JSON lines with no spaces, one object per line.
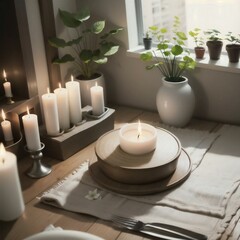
{"x":161,"y":230}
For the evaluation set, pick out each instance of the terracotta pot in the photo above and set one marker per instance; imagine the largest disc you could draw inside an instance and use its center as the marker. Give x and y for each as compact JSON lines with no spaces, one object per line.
{"x":175,"y":102}
{"x":233,"y":51}
{"x":199,"y":52}
{"x":214,"y":49}
{"x":147,"y":42}
{"x":85,"y":86}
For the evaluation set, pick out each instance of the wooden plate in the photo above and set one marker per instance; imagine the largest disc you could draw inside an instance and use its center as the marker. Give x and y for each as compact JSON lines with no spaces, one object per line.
{"x":137,"y":169}
{"x":181,"y":173}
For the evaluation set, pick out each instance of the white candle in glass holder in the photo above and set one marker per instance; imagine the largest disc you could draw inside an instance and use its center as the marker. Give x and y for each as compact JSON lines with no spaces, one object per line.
{"x":97,"y":99}
{"x":63,"y":107}
{"x":7,"y":86}
{"x":50,"y":111}
{"x":31,"y":130}
{"x":6,"y":128}
{"x":11,"y":200}
{"x":74,"y":99}
{"x":138,"y":138}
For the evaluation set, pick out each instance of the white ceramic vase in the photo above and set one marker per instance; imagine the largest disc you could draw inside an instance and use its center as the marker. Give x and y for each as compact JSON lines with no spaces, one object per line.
{"x":85,"y":86}
{"x":175,"y":102}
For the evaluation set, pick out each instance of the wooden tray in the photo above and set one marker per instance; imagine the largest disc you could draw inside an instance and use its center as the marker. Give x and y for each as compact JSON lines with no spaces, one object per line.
{"x":137,"y":169}
{"x":181,"y":173}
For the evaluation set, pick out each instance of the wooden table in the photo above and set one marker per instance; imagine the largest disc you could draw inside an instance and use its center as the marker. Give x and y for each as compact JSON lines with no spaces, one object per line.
{"x":37,"y":216}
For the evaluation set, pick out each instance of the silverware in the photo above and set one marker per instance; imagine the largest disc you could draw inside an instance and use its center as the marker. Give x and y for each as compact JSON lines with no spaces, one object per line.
{"x":164,"y":231}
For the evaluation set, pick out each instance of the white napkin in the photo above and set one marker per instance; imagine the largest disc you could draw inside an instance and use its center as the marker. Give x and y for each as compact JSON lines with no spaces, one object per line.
{"x":204,"y":203}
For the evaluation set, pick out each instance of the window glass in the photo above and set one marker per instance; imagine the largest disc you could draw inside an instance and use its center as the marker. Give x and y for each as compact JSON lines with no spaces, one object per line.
{"x":222,"y":15}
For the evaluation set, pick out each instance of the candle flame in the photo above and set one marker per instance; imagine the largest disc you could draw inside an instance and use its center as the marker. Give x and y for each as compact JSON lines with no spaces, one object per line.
{"x":139,"y":129}
{"x":4,"y":75}
{"x":48,"y":90}
{"x":96,"y":84}
{"x":60,"y":86}
{"x":72,"y":78}
{"x":3,"y":115}
{"x":2,"y":153}
{"x":28,"y":110}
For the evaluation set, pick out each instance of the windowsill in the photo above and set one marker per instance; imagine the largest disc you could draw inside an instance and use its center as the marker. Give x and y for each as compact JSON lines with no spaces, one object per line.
{"x":222,"y":64}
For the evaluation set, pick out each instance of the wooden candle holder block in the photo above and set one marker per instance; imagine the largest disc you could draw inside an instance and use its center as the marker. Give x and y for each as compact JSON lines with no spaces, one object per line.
{"x":67,"y":144}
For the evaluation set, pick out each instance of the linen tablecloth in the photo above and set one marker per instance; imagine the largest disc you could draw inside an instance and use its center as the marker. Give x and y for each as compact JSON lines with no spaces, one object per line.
{"x":207,"y":202}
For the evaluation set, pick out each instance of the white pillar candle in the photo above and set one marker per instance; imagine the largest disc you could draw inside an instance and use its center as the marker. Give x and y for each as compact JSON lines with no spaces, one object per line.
{"x":11,"y":200}
{"x":138,"y":138}
{"x":74,"y":99}
{"x":50,"y":111}
{"x":7,"y":86}
{"x":31,"y":130}
{"x":97,"y":100}
{"x":63,"y":107}
{"x":7,"y":128}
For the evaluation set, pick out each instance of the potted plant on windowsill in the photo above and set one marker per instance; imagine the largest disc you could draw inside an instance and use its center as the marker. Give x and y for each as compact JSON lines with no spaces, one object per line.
{"x":214,"y":43}
{"x":199,"y":42}
{"x":233,"y":48}
{"x":147,"y":41}
{"x":89,"y":47}
{"x":175,"y":99}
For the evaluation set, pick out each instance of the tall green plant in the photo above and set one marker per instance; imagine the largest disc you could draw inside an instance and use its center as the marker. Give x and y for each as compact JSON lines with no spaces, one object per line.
{"x":170,"y":56}
{"x":90,"y":46}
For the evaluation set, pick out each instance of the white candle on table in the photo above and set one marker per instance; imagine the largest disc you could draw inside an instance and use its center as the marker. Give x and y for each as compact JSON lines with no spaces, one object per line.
{"x":138,"y":138}
{"x":49,"y":101}
{"x":74,"y":99}
{"x":97,"y":100}
{"x":7,"y":86}
{"x":63,"y":107}
{"x":7,"y":128}
{"x":11,"y":200}
{"x":31,"y":130}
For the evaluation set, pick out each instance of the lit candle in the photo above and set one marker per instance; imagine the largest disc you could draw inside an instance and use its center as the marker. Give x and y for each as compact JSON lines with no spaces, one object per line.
{"x":31,"y":130}
{"x":97,"y":100}
{"x":49,"y":101}
{"x":74,"y":99}
{"x":7,"y":128}
{"x":11,"y":200}
{"x":63,"y":107}
{"x":7,"y":85}
{"x":138,"y":138}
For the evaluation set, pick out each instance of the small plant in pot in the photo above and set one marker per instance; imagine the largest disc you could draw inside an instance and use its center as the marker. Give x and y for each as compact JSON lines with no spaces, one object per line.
{"x":147,"y":41}
{"x":214,"y":43}
{"x":199,"y":42}
{"x":89,"y":47}
{"x":233,"y":48}
{"x":175,"y":99}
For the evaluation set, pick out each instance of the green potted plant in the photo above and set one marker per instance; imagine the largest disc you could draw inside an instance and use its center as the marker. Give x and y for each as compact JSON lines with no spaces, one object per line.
{"x":214,"y":43}
{"x":89,"y":47}
{"x":175,"y":99}
{"x":199,"y":42}
{"x":233,"y":48}
{"x":147,"y":41}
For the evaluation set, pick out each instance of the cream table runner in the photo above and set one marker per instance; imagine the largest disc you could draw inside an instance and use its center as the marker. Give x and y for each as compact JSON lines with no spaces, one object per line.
{"x":207,"y":202}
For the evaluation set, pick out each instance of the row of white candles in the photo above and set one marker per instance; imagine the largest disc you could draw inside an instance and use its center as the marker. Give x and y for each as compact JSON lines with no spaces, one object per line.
{"x":63,"y":107}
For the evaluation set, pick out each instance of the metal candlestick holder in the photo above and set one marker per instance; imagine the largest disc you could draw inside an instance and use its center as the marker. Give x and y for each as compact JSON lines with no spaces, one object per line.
{"x":9,"y":100}
{"x":38,"y":169}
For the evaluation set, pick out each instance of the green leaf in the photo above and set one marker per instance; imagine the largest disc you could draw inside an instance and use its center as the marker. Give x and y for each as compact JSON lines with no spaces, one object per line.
{"x":112,"y":32}
{"x":101,"y":60}
{"x":64,"y":59}
{"x":109,"y":48}
{"x":57,"y":42}
{"x":97,"y":27}
{"x":86,"y":55}
{"x":176,"y":50}
{"x":82,"y":15}
{"x":146,"y":56}
{"x":181,"y":35}
{"x":68,"y":19}
{"x":75,"y":41}
{"x":162,"y":46}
